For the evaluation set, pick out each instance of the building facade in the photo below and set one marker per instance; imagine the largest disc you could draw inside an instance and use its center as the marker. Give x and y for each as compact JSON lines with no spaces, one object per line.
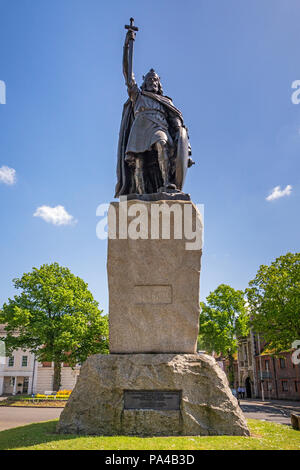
{"x":16,"y":374}
{"x":264,"y":375}
{"x":45,"y":374}
{"x":247,"y":374}
{"x":22,"y":374}
{"x":16,"y":371}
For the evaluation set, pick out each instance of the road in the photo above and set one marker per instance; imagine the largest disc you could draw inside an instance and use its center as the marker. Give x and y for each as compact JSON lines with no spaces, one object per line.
{"x":278,"y":412}
{"x":13,"y":417}
{"x":275,"y":411}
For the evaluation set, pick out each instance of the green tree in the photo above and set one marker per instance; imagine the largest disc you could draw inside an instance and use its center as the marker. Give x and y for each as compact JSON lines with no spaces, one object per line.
{"x":274,"y":301}
{"x":222,"y":319}
{"x":55,"y":317}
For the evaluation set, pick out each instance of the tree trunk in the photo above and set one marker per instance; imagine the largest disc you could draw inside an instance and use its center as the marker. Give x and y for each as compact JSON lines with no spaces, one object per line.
{"x":57,"y":376}
{"x":231,"y":371}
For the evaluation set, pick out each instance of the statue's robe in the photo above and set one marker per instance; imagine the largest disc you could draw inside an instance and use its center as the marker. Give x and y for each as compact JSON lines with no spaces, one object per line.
{"x":147,"y":118}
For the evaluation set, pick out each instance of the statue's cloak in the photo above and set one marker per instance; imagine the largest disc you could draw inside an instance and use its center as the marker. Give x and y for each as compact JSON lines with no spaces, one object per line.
{"x":125,"y":181}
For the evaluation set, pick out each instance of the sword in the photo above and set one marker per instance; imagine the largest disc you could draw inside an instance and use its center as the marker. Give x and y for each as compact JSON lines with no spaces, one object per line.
{"x":132,"y":28}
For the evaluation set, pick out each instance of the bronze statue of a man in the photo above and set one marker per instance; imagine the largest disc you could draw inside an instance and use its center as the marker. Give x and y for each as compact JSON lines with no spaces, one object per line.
{"x":154,"y":150}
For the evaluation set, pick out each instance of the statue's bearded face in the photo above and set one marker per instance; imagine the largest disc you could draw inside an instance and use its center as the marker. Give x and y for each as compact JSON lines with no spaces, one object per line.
{"x":152,"y":83}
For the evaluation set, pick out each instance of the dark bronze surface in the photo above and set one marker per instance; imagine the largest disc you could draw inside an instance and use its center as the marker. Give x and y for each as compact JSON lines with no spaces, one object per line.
{"x":160,"y":196}
{"x":152,"y":400}
{"x":154,"y":150}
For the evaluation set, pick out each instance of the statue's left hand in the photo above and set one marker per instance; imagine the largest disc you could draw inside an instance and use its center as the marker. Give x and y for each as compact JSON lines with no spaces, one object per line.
{"x":177,"y":132}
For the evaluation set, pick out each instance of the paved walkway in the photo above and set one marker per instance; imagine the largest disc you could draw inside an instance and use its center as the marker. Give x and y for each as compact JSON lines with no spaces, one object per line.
{"x":277,"y":411}
{"x":13,"y":417}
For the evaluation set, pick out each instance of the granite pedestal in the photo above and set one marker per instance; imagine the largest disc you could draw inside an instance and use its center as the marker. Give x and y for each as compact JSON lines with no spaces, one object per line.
{"x":153,"y":382}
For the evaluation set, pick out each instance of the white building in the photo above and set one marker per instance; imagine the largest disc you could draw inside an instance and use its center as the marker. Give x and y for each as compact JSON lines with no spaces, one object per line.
{"x":16,"y":372}
{"x":16,"y":375}
{"x":23,"y":374}
{"x":45,"y":373}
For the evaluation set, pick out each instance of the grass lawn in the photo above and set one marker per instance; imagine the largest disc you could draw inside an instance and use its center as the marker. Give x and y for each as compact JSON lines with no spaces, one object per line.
{"x":42,"y":436}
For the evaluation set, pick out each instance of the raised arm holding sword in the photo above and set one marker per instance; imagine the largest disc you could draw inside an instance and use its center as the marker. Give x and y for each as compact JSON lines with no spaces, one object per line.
{"x":153,"y":152}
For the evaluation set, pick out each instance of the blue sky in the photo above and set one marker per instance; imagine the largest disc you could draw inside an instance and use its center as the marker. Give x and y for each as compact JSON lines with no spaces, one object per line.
{"x":228,"y":66}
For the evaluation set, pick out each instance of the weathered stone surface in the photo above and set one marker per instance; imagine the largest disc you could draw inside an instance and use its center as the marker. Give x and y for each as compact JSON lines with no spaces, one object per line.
{"x":96,"y":405}
{"x":295,"y":421}
{"x":154,"y":283}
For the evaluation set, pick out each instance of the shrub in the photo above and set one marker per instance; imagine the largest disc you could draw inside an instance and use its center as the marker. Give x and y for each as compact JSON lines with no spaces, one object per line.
{"x":64,"y":393}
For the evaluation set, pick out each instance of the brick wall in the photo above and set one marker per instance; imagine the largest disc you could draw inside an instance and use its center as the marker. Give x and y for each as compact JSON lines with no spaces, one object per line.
{"x":281,"y":378}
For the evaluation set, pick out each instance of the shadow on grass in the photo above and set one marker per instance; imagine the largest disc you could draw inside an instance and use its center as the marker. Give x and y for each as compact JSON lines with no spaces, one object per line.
{"x":32,"y":434}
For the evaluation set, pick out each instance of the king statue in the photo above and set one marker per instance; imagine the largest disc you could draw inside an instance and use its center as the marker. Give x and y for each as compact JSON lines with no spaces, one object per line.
{"x":154,"y":150}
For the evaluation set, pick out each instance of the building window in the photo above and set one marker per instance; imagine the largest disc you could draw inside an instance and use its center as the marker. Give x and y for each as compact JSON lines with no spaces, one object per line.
{"x":24,"y":361}
{"x":267,"y":364}
{"x":282,"y":363}
{"x":11,"y":361}
{"x":297,"y":386}
{"x":285,"y":386}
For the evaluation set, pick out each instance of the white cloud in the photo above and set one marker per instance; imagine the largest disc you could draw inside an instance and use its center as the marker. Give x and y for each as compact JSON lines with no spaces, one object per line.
{"x":276,"y":192}
{"x":7,"y":175}
{"x":55,"y":215}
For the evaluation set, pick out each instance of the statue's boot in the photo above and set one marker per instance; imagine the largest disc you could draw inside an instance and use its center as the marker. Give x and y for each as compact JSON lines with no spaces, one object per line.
{"x":139,"y":176}
{"x":163,"y":160}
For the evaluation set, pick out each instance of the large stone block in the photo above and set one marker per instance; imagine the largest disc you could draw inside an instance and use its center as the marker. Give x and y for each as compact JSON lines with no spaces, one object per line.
{"x":206,"y":404}
{"x":154,"y":279}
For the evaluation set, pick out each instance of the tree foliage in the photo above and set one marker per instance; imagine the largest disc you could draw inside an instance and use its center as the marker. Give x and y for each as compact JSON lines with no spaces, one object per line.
{"x":55,"y":317}
{"x":222,"y":319}
{"x":274,"y":301}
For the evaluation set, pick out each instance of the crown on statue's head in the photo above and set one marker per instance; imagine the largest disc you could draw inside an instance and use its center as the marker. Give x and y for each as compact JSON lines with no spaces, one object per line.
{"x":151,"y":73}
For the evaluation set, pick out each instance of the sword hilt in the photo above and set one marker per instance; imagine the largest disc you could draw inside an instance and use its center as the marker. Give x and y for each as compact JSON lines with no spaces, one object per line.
{"x":131,"y":26}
